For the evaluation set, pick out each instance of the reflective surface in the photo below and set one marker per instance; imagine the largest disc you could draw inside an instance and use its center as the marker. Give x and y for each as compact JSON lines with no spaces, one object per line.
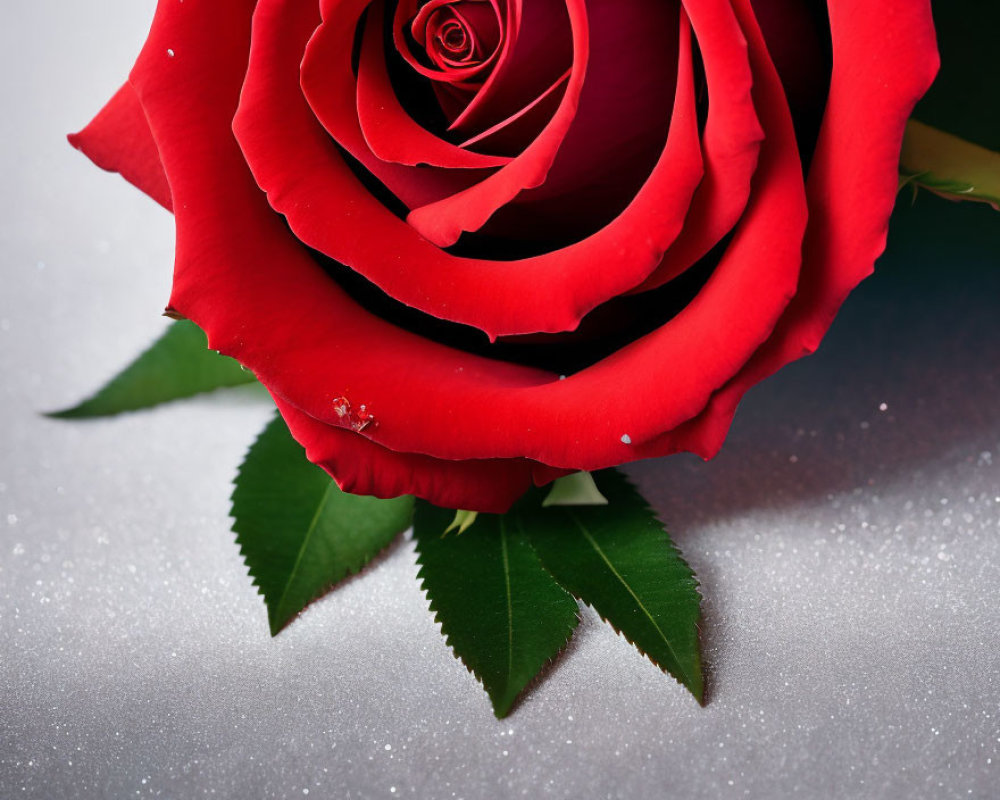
{"x":847,"y":540}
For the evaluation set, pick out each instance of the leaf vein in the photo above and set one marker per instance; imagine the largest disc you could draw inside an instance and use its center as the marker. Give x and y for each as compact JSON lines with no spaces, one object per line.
{"x":313,"y":524}
{"x":597,"y":548}
{"x":510,"y":606}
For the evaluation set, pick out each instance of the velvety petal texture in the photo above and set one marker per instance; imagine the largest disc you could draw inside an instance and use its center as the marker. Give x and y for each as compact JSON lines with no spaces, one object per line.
{"x":471,"y":245}
{"x":118,"y":140}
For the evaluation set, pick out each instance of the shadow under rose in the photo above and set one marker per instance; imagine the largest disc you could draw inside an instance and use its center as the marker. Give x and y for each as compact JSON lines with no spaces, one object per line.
{"x":909,"y":371}
{"x":908,"y":376}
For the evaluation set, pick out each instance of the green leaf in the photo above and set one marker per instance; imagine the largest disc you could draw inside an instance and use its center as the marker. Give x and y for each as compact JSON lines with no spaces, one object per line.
{"x":950,"y":166}
{"x":179,"y":364}
{"x":298,"y":532}
{"x":619,"y":559}
{"x":577,"y":489}
{"x":499,"y":610}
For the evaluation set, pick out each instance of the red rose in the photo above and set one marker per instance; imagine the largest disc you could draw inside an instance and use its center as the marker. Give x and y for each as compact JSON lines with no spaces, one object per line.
{"x":472,"y":244}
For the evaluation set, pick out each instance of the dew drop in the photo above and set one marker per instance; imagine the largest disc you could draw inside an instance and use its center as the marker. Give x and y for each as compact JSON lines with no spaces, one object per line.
{"x":349,"y":417}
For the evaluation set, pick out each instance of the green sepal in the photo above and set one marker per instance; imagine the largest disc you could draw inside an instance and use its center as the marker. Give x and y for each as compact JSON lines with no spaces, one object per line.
{"x":500,"y":611}
{"x":462,"y":522}
{"x":298,"y":532}
{"x":578,"y":489}
{"x":178,"y":364}
{"x":619,"y":559}
{"x":949,"y":166}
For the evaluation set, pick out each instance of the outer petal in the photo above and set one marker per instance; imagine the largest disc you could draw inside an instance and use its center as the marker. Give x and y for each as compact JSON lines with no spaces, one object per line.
{"x":604,"y":414}
{"x":242,"y":288}
{"x":885,"y":59}
{"x":118,"y":140}
{"x":264,"y":301}
{"x":731,"y":143}
{"x":362,"y":467}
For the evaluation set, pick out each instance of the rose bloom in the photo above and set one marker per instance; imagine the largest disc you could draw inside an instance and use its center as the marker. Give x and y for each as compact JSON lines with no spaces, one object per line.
{"x":472,"y":245}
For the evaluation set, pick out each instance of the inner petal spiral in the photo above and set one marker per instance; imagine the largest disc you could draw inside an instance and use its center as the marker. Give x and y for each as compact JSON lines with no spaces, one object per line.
{"x":450,"y":41}
{"x":496,"y":68}
{"x":457,"y":34}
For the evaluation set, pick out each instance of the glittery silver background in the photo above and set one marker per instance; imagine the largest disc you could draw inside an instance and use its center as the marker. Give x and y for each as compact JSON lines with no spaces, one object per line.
{"x":847,"y":541}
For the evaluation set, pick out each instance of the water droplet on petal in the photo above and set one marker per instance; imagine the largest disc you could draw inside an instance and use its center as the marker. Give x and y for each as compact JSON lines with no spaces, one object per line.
{"x":341,"y":407}
{"x":352,"y":419}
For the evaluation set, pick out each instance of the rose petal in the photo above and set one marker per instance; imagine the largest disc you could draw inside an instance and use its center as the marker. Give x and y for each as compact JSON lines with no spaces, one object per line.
{"x":118,"y":140}
{"x":510,"y":134}
{"x":262,"y":300}
{"x":328,"y":80}
{"x":331,"y":211}
{"x":581,"y":422}
{"x":444,"y":221}
{"x":409,"y":15}
{"x":619,"y":129}
{"x":225,"y":277}
{"x":390,"y":132}
{"x":538,"y":49}
{"x":731,"y":143}
{"x":360,"y":466}
{"x":879,"y":73}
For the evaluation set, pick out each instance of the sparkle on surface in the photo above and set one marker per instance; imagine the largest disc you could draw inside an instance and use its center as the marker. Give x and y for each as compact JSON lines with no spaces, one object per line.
{"x":847,"y":541}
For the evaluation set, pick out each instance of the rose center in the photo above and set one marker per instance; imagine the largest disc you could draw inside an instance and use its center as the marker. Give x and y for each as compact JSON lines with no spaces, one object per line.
{"x":454,"y":38}
{"x":456,"y":35}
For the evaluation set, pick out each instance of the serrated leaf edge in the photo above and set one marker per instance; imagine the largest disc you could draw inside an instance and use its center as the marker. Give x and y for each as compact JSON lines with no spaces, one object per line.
{"x":663,"y":636}
{"x":73,"y":412}
{"x":322,"y":592}
{"x":696,"y":585}
{"x":446,"y":634}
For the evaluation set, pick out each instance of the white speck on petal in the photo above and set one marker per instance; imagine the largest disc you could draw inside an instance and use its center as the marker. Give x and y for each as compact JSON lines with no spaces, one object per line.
{"x":626,"y":439}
